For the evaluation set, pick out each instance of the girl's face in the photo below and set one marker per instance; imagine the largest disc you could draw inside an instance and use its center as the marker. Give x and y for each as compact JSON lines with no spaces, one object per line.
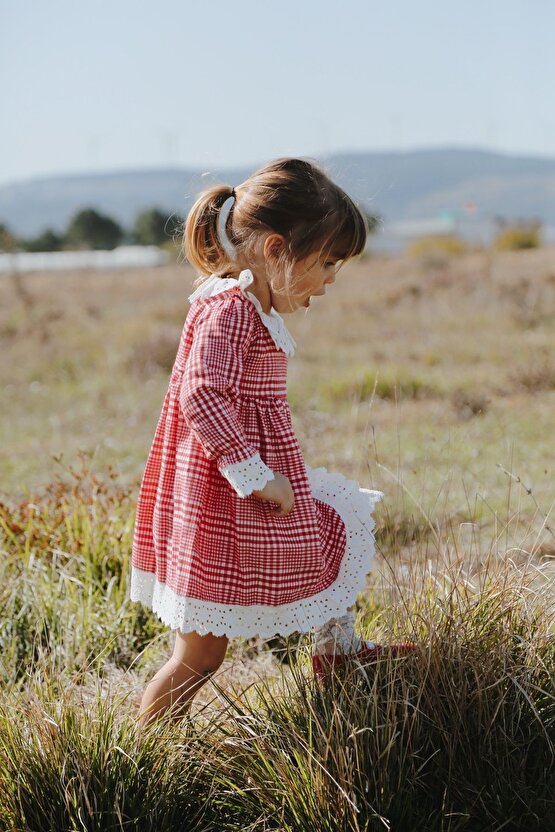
{"x":311,"y":278}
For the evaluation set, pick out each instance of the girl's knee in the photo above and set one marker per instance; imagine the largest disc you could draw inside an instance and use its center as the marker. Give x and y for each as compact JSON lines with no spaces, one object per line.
{"x":192,"y":668}
{"x":203,"y":654}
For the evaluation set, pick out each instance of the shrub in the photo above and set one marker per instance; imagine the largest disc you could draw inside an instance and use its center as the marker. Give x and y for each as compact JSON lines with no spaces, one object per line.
{"x":64,"y":572}
{"x":395,"y":384}
{"x":90,"y":229}
{"x":67,"y":762}
{"x":48,"y":240}
{"x":517,"y":237}
{"x":437,"y":244}
{"x":537,"y":375}
{"x":153,"y":227}
{"x":8,"y":241}
{"x":463,"y":727}
{"x":468,"y":403}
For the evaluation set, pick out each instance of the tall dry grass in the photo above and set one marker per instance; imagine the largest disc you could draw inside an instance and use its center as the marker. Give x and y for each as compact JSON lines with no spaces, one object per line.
{"x":430,"y":379}
{"x":460,"y":735}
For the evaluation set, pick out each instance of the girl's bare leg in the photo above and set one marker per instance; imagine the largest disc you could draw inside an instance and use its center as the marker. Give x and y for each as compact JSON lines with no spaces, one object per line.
{"x":193,"y":661}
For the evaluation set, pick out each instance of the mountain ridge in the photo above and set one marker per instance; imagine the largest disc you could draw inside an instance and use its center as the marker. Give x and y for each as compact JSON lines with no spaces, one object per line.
{"x":399,"y":185}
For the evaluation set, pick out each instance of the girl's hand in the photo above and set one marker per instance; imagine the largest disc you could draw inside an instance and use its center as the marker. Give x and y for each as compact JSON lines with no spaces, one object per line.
{"x":278,"y":490}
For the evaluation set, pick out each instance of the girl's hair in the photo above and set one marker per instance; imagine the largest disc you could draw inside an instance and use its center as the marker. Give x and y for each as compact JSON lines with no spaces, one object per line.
{"x":289,"y":196}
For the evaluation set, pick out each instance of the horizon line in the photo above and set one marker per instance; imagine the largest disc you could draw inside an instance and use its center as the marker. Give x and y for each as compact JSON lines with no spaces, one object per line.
{"x":153,"y":168}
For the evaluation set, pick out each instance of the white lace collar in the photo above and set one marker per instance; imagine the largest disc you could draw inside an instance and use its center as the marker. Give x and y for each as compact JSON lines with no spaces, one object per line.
{"x":273,"y":321}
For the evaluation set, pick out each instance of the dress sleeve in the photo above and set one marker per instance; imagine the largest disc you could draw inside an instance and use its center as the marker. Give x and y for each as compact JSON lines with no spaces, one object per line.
{"x":221,"y":338}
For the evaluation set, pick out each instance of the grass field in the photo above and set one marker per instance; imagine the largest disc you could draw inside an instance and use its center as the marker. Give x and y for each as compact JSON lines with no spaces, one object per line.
{"x":432,"y":379}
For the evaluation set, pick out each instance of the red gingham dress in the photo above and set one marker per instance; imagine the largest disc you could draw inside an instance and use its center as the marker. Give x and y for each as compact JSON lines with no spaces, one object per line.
{"x":205,"y":558}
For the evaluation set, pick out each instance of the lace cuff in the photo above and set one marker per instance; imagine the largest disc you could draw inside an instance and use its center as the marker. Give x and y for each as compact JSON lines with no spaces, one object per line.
{"x":248,"y":475}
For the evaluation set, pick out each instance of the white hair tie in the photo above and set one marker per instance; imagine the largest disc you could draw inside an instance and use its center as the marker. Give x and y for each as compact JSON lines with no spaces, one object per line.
{"x":228,"y":246}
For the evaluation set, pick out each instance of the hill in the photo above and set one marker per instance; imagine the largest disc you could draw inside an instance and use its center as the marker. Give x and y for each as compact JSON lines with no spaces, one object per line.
{"x":398,"y":185}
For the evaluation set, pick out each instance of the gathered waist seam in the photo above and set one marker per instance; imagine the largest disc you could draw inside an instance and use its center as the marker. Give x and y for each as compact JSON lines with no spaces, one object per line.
{"x":257,"y":398}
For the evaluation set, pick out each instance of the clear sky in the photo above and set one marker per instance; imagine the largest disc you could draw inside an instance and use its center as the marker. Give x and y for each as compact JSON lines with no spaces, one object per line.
{"x":114,"y":84}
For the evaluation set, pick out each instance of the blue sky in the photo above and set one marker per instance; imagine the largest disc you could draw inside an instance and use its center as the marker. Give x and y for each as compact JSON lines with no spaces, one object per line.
{"x":105,"y":85}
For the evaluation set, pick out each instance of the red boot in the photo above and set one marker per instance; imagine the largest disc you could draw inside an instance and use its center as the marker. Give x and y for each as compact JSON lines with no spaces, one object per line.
{"x":322,"y":663}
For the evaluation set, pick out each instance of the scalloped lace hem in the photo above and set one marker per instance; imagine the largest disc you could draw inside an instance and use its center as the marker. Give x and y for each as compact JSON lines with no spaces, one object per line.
{"x":353,"y":504}
{"x":247,"y":475}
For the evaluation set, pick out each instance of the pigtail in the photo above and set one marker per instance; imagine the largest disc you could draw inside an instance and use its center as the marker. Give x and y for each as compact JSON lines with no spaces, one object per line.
{"x":201,"y":242}
{"x":292,"y":197}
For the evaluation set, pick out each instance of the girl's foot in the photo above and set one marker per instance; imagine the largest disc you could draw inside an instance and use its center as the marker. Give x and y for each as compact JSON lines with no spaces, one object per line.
{"x":322,"y":663}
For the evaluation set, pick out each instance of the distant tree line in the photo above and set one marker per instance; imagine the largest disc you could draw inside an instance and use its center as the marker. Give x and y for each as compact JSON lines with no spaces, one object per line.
{"x":90,"y":229}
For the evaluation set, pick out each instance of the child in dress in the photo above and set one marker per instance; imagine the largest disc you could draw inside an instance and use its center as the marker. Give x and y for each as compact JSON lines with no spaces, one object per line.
{"x":235,"y":535}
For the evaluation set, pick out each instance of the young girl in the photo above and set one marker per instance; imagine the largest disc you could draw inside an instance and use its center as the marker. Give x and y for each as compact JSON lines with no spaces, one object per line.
{"x":235,"y":535}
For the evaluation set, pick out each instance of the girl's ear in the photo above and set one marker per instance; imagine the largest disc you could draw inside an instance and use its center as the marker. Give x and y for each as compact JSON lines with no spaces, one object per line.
{"x":273,"y":245}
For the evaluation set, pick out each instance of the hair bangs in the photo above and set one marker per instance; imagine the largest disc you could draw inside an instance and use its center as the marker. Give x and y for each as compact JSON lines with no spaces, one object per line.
{"x":348,"y":232}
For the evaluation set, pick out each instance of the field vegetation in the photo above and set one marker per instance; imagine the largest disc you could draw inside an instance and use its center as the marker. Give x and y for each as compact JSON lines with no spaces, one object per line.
{"x":430,"y":376}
